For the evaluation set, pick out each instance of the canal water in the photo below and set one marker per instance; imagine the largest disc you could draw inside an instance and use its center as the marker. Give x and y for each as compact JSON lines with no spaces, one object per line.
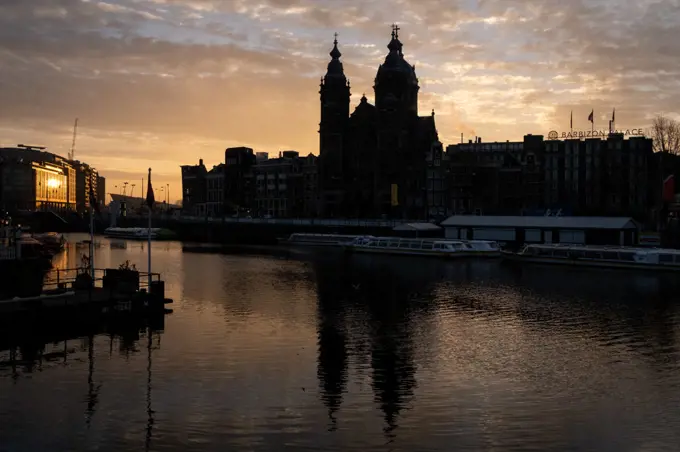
{"x":273,"y":349}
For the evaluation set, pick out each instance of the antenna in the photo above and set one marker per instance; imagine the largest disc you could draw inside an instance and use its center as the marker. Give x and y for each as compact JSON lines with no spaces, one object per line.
{"x":71,"y":154}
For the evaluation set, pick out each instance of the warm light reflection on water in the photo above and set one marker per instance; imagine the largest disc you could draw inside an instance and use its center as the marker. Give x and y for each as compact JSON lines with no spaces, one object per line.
{"x":320,"y":351}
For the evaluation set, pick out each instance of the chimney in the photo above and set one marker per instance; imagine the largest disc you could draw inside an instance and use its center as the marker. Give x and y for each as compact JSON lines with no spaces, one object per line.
{"x":200,"y":162}
{"x":461,"y":138}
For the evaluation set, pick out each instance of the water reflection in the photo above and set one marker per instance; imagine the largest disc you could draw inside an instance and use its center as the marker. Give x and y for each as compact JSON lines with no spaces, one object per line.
{"x":319,"y":350}
{"x":332,"y":339}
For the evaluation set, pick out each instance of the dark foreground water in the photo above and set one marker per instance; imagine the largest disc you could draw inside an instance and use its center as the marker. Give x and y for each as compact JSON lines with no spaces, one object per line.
{"x":316,"y":351}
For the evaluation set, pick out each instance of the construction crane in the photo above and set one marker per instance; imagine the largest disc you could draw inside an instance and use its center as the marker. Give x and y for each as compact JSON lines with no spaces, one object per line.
{"x":71,"y":154}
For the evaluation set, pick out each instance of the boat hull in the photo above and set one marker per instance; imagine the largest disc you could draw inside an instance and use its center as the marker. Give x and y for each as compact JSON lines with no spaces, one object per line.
{"x":428,"y":253}
{"x":22,"y":277}
{"x":594,"y":263}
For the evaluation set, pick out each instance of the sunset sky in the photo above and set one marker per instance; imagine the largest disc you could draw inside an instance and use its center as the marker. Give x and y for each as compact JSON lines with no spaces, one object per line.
{"x":160,"y":83}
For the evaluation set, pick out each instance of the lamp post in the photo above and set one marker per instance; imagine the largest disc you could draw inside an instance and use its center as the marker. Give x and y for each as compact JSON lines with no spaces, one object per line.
{"x":132,"y":192}
{"x":162,"y":189}
{"x":125,"y":184}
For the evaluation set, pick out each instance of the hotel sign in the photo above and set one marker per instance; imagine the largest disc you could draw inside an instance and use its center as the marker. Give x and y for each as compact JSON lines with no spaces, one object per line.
{"x":554,"y":135}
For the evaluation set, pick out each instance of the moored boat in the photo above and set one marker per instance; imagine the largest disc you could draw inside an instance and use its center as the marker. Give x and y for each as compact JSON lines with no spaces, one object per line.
{"x":598,"y":256}
{"x":139,"y":233}
{"x":131,"y":233}
{"x":52,"y":241}
{"x":23,"y":263}
{"x":424,"y":247}
{"x":305,"y":239}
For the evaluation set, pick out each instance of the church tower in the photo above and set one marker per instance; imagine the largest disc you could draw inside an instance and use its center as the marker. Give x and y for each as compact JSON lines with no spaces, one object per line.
{"x":335,"y":96}
{"x":396,"y":85}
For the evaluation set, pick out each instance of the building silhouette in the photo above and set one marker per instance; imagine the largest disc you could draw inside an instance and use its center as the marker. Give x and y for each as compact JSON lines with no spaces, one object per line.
{"x":32,"y":179}
{"x":373,"y":162}
{"x":194,"y":188}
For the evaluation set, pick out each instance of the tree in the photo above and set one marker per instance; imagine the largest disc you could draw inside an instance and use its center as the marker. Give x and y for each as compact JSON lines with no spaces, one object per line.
{"x":666,"y":135}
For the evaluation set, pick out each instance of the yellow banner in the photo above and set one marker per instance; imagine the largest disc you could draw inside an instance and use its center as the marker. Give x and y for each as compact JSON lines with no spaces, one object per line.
{"x":395,"y":195}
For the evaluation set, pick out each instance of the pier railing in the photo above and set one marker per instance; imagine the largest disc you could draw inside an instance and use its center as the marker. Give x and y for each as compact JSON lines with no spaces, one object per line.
{"x":66,"y":278}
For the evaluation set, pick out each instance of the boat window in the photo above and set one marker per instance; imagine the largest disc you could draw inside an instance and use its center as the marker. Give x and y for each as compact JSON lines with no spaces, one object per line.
{"x":415,"y":245}
{"x":627,"y":256}
{"x":591,"y":255}
{"x":560,"y":253}
{"x":544,"y":251}
{"x":610,"y":255}
{"x":437,"y":246}
{"x":394,"y":243}
{"x":427,"y":245}
{"x":382,"y":244}
{"x":666,"y":258}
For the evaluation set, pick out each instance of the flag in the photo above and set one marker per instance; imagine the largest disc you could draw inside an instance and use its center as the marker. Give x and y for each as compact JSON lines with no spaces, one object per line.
{"x":93,"y":200}
{"x":669,"y":189}
{"x":571,"y":120}
{"x":150,"y":200}
{"x":591,"y":116}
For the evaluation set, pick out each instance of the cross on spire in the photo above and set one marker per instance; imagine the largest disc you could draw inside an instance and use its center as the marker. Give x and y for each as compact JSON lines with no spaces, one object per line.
{"x":335,"y":35}
{"x":395,"y":31}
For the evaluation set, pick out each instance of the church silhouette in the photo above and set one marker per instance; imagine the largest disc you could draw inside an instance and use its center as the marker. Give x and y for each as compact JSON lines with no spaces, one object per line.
{"x":372,"y":163}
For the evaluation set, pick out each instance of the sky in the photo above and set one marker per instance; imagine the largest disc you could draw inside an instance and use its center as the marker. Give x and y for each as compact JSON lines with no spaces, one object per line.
{"x":161,"y":83}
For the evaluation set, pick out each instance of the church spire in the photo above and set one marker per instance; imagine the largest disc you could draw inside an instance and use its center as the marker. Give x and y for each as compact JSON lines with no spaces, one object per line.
{"x":395,"y":45}
{"x":335,"y":69}
{"x":335,"y":53}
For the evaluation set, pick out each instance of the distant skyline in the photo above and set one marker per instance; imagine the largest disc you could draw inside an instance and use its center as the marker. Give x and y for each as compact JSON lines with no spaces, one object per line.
{"x":161,"y":83}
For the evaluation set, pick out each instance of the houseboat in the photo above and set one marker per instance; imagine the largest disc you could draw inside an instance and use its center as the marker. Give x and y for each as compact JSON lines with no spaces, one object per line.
{"x":303,"y":239}
{"x":599,"y":256}
{"x":420,"y":247}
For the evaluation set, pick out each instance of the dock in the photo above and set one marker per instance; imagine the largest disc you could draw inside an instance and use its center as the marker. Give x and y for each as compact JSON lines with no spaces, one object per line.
{"x":72,"y":294}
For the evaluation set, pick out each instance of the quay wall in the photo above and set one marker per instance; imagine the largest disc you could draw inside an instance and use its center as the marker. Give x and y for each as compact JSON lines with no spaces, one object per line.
{"x":256,"y":232}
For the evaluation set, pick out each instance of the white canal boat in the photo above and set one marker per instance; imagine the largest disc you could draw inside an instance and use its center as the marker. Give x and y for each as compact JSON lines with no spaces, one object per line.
{"x":304,"y":239}
{"x":598,"y":256}
{"x":424,"y":247}
{"x":131,"y":233}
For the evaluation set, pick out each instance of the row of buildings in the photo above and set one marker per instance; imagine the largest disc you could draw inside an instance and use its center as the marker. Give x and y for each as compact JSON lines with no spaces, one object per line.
{"x":385,"y":160}
{"x":32,"y":179}
{"x":613,"y":176}
{"x":252,"y":184}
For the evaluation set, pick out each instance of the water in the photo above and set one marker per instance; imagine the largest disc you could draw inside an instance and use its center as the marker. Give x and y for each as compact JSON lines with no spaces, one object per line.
{"x":271,"y":350}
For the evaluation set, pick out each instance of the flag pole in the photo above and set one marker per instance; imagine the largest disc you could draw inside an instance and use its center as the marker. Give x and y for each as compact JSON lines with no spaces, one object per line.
{"x":148,"y":234}
{"x":91,"y":241}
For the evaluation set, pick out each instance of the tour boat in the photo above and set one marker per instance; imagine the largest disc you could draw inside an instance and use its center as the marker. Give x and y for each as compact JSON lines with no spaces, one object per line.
{"x":131,"y":233}
{"x":305,"y":239}
{"x":598,"y":256}
{"x":423,"y":247}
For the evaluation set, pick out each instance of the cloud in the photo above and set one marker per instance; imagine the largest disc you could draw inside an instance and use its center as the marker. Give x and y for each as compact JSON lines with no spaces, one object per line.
{"x":172,"y":80}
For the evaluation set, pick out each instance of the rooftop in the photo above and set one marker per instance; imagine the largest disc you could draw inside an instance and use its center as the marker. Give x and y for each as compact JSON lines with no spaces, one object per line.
{"x":616,"y":223}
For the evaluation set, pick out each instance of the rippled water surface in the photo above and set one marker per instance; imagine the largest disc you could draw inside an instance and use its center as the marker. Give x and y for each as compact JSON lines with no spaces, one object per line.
{"x":314,"y":350}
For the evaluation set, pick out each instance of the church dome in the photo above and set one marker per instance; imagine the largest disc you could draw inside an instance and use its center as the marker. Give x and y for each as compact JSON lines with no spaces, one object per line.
{"x":395,"y":66}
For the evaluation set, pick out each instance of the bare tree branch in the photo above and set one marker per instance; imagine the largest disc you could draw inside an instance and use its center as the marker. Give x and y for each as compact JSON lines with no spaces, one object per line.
{"x":666,"y":135}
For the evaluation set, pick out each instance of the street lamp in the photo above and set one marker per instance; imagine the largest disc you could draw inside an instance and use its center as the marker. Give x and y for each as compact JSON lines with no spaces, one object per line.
{"x":162,"y":190}
{"x":133,"y":190}
{"x":125,"y":184}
